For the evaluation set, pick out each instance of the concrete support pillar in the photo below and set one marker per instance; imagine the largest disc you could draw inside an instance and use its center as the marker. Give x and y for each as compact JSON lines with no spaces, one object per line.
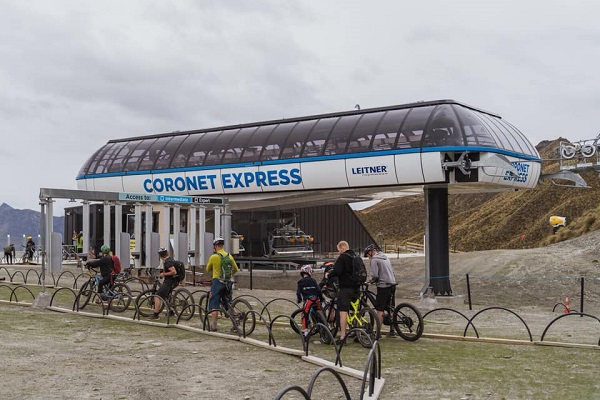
{"x":217,"y":230}
{"x":176,"y":228}
{"x":201,"y":233}
{"x":192,"y":227}
{"x":86,"y":228}
{"x":118,"y":228}
{"x":226,"y":227}
{"x":148,"y":236}
{"x":137,"y":234}
{"x":165,"y":231}
{"x":106,"y":224}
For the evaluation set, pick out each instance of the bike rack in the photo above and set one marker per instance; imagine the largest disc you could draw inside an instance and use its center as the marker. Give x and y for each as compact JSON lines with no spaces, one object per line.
{"x":573,"y":313}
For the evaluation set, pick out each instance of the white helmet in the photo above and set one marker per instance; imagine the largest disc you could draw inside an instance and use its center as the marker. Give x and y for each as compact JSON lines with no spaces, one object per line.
{"x":306,"y":269}
{"x":218,"y":241}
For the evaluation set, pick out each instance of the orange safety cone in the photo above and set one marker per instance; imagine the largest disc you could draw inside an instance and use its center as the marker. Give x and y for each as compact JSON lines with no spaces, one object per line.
{"x":567,"y":305}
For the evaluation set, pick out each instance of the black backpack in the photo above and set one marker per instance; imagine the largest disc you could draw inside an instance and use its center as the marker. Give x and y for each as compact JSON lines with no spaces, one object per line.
{"x":180,"y":268}
{"x":359,"y":271}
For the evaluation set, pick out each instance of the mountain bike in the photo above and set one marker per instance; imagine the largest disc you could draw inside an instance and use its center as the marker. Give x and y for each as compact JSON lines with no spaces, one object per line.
{"x":238,"y":312}
{"x":315,"y":317}
{"x":177,"y":301}
{"x":404,"y":318}
{"x":118,"y":295}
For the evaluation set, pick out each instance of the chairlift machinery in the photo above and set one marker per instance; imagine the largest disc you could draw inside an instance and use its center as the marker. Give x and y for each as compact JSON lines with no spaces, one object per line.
{"x":287,"y":240}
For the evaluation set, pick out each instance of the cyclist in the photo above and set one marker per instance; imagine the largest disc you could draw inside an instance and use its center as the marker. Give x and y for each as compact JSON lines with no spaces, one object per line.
{"x":219,"y":288}
{"x":105,"y":263}
{"x":348,"y":291}
{"x":308,"y":291}
{"x":382,"y":274}
{"x":169,"y":272}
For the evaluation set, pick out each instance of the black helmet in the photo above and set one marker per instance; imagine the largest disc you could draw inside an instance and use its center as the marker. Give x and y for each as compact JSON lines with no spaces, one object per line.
{"x":369,"y":248}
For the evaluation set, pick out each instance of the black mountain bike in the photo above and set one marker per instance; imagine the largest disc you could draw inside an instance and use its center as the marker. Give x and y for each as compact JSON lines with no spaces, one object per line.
{"x":405,"y":319}
{"x":177,"y":301}
{"x":315,"y":317}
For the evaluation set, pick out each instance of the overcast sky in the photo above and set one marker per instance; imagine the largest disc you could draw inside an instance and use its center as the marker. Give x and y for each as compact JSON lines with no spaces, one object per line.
{"x":75,"y":74}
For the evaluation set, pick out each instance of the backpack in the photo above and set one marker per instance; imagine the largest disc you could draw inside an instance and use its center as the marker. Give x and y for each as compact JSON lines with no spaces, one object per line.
{"x":226,"y":267}
{"x":116,"y":264}
{"x":180,"y":268}
{"x":359,"y":271}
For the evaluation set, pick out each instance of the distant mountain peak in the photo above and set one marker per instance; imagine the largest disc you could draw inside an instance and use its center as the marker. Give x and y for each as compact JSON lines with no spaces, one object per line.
{"x":5,"y":206}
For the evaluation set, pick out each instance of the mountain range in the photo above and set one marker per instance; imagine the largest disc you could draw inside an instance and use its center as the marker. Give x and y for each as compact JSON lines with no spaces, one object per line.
{"x":22,"y":223}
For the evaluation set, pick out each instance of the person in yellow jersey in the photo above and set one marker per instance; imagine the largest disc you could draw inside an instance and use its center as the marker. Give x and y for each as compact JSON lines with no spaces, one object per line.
{"x":223,"y":267}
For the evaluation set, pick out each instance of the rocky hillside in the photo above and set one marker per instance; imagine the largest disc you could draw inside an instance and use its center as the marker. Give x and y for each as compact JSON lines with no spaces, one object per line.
{"x":507,"y":220}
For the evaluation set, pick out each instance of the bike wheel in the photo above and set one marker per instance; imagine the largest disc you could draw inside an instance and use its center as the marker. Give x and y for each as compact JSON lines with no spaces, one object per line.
{"x":408,"y":322}
{"x":120,"y":297}
{"x":180,"y":299}
{"x":297,"y":317}
{"x":325,"y":335}
{"x":587,"y":150}
{"x":238,"y":311}
{"x":86,"y":292}
{"x":369,"y":322}
{"x":145,"y":303}
{"x":332,"y":317}
{"x":567,"y":151}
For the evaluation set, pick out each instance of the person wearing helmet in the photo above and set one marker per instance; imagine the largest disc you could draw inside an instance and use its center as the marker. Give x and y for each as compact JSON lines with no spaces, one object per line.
{"x":29,"y":248}
{"x":308,"y":292}
{"x":169,"y":273}
{"x":382,"y":274}
{"x":221,"y":285}
{"x":105,"y":263}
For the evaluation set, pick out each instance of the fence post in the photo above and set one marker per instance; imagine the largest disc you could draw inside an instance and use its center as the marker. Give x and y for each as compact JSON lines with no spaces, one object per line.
{"x":581,"y":306}
{"x":469,"y":292}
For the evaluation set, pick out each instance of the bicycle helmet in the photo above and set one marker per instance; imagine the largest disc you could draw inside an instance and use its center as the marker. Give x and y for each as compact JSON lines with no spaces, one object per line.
{"x":306,"y":269}
{"x":162,"y":251}
{"x":105,"y":249}
{"x":370,"y":248}
{"x":28,"y":237}
{"x":218,"y":241}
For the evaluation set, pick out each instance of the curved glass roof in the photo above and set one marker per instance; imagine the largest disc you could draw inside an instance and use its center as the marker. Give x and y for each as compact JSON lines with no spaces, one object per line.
{"x":443,"y":125}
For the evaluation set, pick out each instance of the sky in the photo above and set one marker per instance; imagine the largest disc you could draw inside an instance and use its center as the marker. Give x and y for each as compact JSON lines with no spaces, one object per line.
{"x":75,"y":74}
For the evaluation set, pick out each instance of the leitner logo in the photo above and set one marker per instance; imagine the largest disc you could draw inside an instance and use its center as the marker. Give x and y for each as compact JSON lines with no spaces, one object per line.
{"x":368,"y":171}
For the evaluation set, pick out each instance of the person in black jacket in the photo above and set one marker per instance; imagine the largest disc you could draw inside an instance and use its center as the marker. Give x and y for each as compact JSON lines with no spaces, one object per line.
{"x":308,"y":291}
{"x":348,"y":290}
{"x":105,"y":263}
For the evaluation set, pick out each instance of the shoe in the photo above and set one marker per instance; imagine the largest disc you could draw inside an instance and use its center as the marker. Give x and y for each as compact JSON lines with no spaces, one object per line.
{"x":391,"y":334}
{"x":172,"y":313}
{"x":154,"y":316}
{"x":212,"y":327}
{"x":233,"y":330}
{"x":339,"y":341}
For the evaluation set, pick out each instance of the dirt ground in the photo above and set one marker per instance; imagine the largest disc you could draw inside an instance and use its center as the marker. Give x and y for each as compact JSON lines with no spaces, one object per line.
{"x":50,"y":355}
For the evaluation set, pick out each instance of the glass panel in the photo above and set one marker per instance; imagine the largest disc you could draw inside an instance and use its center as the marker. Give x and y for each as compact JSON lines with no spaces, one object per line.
{"x":133,"y":158}
{"x":500,"y":136}
{"x":340,"y":135}
{"x":531,"y":150}
{"x":153,"y":152}
{"x":294,"y":143}
{"x":237,"y":145}
{"x":363,"y":132}
{"x":219,"y":146}
{"x":314,"y":144}
{"x":476,"y":134}
{"x":102,"y":154}
{"x":275,"y":142}
{"x":414,"y":124}
{"x":521,"y":143}
{"x":120,"y":157}
{"x":169,"y":152}
{"x":443,"y":129}
{"x":256,"y":143}
{"x":387,"y":131}
{"x":202,"y":144}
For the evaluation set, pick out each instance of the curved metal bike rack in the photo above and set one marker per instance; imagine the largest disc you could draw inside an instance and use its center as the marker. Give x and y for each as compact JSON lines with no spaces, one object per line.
{"x":372,"y":369}
{"x":574,"y":313}
{"x":495,"y":308}
{"x":451,"y":310}
{"x":61,"y":275}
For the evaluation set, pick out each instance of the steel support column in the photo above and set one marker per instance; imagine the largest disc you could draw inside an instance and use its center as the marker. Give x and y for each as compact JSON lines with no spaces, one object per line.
{"x":436,"y":240}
